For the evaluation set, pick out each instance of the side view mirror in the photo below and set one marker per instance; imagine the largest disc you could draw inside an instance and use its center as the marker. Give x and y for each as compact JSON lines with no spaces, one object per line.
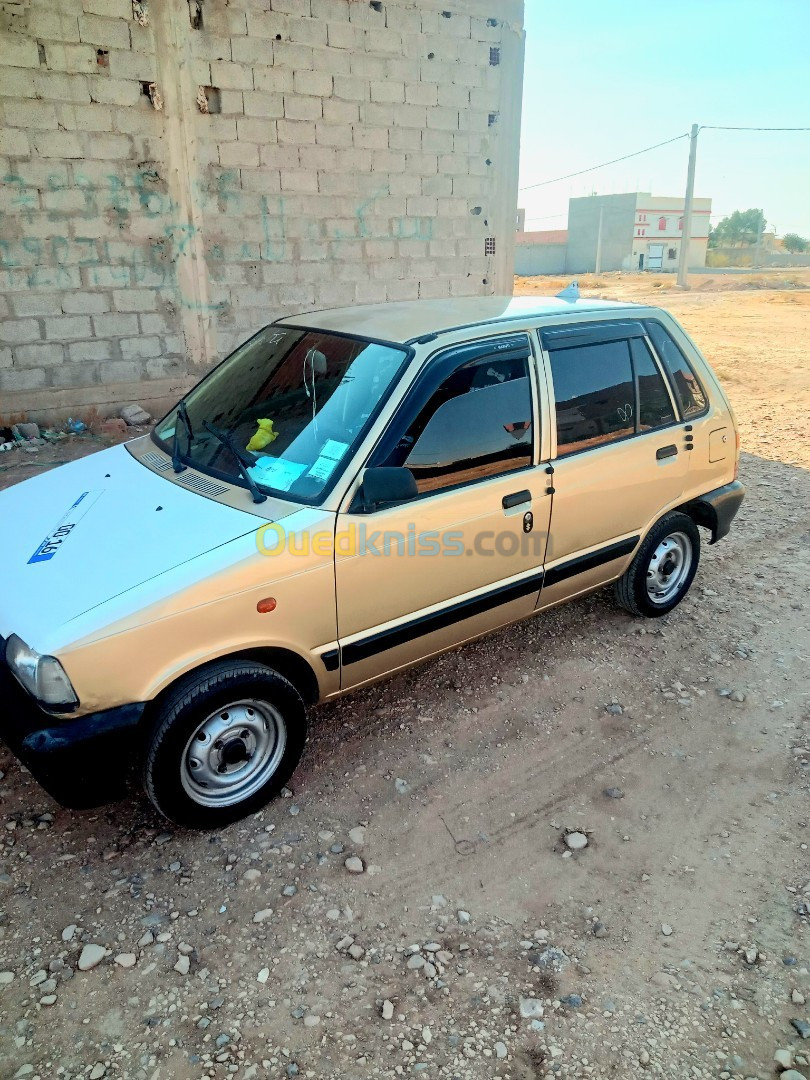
{"x":387,"y":487}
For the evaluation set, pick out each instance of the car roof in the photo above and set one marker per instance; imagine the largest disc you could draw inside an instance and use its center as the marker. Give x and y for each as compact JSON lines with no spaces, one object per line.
{"x":410,"y":320}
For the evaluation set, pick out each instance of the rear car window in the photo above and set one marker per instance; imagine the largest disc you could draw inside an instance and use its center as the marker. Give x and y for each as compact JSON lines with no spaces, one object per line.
{"x":594,"y":392}
{"x":654,"y":403}
{"x":690,"y":394}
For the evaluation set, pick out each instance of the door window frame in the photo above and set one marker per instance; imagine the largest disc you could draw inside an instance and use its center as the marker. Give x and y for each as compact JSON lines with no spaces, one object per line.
{"x":669,"y":378}
{"x":438,"y":366}
{"x":575,"y":335}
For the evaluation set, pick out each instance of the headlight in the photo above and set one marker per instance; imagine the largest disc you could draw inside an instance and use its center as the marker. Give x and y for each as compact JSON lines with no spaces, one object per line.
{"x":42,"y":676}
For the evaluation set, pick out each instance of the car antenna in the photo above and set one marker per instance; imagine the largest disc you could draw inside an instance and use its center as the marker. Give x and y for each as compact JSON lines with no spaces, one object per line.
{"x":570,"y":292}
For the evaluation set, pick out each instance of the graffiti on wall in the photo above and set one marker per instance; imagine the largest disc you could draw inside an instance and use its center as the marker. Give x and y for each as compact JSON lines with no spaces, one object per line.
{"x":84,"y":254}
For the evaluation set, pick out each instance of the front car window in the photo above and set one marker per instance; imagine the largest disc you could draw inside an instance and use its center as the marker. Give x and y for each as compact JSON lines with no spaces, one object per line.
{"x":477,"y":424}
{"x":294,"y":405}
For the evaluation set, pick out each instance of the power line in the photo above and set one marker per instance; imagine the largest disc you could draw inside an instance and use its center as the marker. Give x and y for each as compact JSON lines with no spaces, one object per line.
{"x":604,"y":164}
{"x":725,"y":127}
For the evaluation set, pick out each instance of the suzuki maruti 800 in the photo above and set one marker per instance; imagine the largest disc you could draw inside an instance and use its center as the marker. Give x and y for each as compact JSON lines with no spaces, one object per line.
{"x":350,"y":492}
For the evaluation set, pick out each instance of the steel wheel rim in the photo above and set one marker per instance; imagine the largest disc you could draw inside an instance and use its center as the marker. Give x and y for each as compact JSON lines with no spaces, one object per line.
{"x":669,"y":567}
{"x":233,"y":753}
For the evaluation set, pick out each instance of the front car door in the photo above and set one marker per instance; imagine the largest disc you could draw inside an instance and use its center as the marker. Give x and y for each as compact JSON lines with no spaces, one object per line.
{"x":619,"y":453}
{"x":465,"y":555}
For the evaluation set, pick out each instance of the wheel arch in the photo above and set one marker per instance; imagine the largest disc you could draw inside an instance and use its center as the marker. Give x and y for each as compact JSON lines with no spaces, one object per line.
{"x":291,"y":665}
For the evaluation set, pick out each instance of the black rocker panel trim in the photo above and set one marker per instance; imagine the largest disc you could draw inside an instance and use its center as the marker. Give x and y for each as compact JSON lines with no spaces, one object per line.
{"x":590,"y":561}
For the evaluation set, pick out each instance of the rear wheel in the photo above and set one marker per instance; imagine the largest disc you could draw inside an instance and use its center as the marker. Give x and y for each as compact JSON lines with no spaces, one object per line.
{"x":663,"y":568}
{"x":226,"y":740}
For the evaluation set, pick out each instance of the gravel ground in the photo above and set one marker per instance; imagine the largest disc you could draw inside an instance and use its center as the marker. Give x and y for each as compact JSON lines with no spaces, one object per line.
{"x":577,"y":848}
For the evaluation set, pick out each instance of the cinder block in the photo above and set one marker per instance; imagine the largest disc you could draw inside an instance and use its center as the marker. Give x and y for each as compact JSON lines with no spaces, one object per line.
{"x":43,"y":355}
{"x":34,"y":303}
{"x":14,"y":143}
{"x":18,"y":331}
{"x":410,"y":116}
{"x":104,"y":32}
{"x":369,"y":138}
{"x":109,"y":147}
{"x":134,"y":299}
{"x":231,"y":76}
{"x":248,"y":50}
{"x":39,"y":115}
{"x":18,"y":51}
{"x":404,"y":20}
{"x":387,"y":92}
{"x":422,"y":93}
{"x":256,"y":130}
{"x":342,"y":35}
{"x":383,"y":41}
{"x":340,"y":112}
{"x":299,"y":180}
{"x":51,"y":26}
{"x":154,"y":324}
{"x":212,"y":47}
{"x":85,"y":303}
{"x":302,"y":108}
{"x":114,"y":91}
{"x":297,"y":132}
{"x":307,"y":32}
{"x":22,"y":380}
{"x":6,"y":358}
{"x":293,"y":7}
{"x":67,"y":328}
{"x":131,"y":65}
{"x":273,"y":79}
{"x":121,"y":371}
{"x":114,"y":326}
{"x":257,"y":103}
{"x":315,"y":83}
{"x":331,"y":10}
{"x":297,"y":57}
{"x":18,"y":82}
{"x":58,"y":144}
{"x":238,"y":154}
{"x":86,"y":352}
{"x":351,"y":88}
{"x":333,"y":134}
{"x":267,"y":24}
{"x":140,"y":347}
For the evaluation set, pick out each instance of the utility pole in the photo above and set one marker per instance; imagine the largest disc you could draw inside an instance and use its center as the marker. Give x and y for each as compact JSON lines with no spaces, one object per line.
{"x":758,"y":249}
{"x":598,"y":268}
{"x":683,"y":261}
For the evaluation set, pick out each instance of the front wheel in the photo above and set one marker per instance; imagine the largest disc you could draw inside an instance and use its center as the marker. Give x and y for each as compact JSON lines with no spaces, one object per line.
{"x":663,"y":568}
{"x":225,"y":741}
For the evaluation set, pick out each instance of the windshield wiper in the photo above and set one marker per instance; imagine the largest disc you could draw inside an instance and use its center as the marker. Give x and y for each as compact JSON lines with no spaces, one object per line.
{"x":227,"y":441}
{"x":182,"y":414}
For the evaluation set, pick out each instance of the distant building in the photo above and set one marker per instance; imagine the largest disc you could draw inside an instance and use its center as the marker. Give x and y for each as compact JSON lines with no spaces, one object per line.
{"x":639,"y":231}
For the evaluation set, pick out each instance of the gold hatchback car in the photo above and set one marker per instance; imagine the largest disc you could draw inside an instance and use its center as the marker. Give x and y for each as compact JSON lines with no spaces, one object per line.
{"x":350,"y":492}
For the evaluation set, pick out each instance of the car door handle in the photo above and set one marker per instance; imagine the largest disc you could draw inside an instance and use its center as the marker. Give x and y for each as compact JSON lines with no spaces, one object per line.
{"x":516,"y":499}
{"x":666,"y":451}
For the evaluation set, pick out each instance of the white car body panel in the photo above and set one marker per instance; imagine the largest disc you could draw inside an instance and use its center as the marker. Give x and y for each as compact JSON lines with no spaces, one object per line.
{"x":113,"y":539}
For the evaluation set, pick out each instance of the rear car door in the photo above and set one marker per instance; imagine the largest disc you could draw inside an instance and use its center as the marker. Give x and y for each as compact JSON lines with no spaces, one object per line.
{"x":466,"y":555}
{"x":619,"y":458}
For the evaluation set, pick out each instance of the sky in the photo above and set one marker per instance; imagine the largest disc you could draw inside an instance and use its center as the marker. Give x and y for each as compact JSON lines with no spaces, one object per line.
{"x":605,"y":78}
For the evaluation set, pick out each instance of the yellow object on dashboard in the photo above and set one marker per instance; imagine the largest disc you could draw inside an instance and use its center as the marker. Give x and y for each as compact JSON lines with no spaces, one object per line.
{"x":264,"y":435}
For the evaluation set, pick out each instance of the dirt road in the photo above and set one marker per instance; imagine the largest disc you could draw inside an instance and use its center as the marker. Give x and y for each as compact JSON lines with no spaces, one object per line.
{"x":475,"y":944}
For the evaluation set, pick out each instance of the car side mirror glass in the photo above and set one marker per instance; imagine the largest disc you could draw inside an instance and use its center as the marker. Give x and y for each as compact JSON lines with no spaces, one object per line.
{"x":387,"y":486}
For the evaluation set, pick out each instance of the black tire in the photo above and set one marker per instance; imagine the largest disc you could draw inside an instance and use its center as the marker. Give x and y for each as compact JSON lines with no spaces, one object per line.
{"x":632,"y":587}
{"x":266,"y":700}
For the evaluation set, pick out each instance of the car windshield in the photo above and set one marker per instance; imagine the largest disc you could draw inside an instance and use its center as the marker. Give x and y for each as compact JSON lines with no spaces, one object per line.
{"x":292,"y":404}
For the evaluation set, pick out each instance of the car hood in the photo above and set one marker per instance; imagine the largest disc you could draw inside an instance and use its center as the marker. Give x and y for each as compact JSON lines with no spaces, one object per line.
{"x":90,"y":530}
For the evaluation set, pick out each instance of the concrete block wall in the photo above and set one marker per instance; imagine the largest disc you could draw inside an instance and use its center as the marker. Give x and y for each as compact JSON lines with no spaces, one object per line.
{"x":176,"y":175}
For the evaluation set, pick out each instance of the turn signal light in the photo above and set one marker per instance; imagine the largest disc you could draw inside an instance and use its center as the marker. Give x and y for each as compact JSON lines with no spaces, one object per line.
{"x":266,"y":605}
